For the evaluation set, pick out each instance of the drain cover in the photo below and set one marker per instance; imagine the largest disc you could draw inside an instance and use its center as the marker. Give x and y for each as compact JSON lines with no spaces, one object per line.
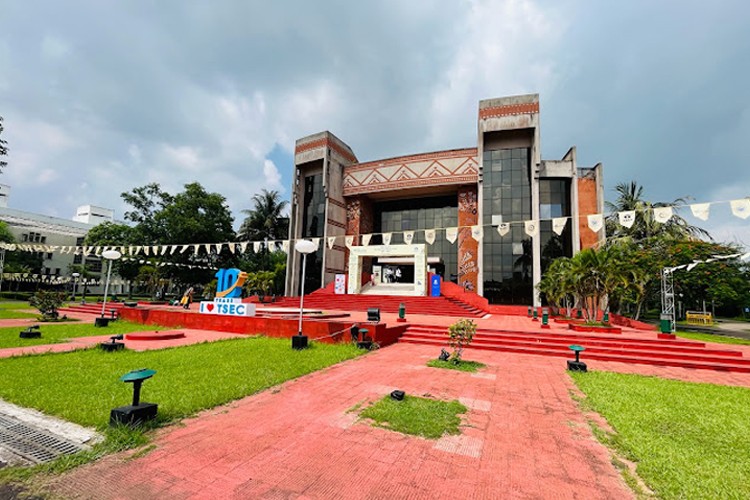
{"x":31,"y":443}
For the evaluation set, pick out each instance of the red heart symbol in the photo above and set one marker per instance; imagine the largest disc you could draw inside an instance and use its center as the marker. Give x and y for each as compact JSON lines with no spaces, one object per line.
{"x":210,"y":307}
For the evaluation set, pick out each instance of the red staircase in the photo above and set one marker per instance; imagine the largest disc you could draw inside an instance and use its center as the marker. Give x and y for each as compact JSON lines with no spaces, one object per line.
{"x":92,"y":308}
{"x":680,"y":353}
{"x":437,"y":306}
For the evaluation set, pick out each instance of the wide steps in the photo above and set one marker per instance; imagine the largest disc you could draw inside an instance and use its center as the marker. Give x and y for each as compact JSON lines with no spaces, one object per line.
{"x":439,"y":306}
{"x":676,"y":353}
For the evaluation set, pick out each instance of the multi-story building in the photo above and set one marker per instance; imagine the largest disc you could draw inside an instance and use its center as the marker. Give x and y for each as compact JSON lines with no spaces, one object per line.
{"x":500,"y":180}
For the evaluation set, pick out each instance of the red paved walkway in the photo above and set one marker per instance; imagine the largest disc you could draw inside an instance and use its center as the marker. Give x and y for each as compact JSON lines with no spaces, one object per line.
{"x":523,"y":438}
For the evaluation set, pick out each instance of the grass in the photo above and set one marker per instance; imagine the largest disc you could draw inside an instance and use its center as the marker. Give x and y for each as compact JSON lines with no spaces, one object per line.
{"x":55,"y":334}
{"x":709,"y":337}
{"x":464,"y":366}
{"x":689,"y":440}
{"x":9,"y":310}
{"x":424,"y":417}
{"x":82,"y":386}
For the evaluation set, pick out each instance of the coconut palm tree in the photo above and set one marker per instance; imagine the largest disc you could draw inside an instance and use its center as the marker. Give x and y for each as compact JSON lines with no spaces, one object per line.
{"x":630,"y":197}
{"x":265,"y":220}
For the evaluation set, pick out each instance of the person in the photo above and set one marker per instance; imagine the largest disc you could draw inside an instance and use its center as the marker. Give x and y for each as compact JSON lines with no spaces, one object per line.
{"x":187,"y":299}
{"x":398,"y":275}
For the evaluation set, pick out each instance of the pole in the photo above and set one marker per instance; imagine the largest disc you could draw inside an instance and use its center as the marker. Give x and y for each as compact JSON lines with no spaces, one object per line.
{"x":302,"y":295}
{"x":106,"y":288}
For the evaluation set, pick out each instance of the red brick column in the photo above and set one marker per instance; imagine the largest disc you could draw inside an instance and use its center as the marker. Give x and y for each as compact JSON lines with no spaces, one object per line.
{"x":468,"y":247}
{"x":359,"y":220}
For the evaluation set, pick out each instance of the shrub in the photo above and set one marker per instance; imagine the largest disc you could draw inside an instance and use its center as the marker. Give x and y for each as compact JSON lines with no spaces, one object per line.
{"x":47,"y":302}
{"x":460,"y":334}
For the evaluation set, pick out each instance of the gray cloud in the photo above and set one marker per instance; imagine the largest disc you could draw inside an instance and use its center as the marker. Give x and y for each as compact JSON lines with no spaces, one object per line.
{"x":102,"y":97}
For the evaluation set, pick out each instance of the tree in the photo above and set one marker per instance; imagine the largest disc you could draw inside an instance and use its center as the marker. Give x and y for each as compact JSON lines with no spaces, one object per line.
{"x":3,"y":147}
{"x":265,"y":220}
{"x":146,"y":202}
{"x":18,"y":261}
{"x":630,"y":197}
{"x":112,"y":234}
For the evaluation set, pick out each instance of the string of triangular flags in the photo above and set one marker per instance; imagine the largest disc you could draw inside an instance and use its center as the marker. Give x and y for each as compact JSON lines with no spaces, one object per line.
{"x":689,"y":267}
{"x":54,"y":279}
{"x":740,"y":208}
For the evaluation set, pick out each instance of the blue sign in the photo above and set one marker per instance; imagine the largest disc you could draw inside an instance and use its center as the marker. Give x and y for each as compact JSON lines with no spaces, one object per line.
{"x":229,"y":283}
{"x":435,"y":285}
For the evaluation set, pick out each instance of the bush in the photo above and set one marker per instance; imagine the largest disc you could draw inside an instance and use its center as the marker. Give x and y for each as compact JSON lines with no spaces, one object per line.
{"x":460,"y":334}
{"x":16,"y":295}
{"x":47,"y":303}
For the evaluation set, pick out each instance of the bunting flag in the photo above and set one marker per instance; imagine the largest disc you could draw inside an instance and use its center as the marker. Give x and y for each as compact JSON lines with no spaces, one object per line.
{"x":627,"y":218}
{"x":243,"y":246}
{"x":173,"y":249}
{"x":429,"y":236}
{"x":700,"y":210}
{"x":477,"y":232}
{"x":164,"y":249}
{"x":232,"y":247}
{"x":387,"y":238}
{"x":596,"y":222}
{"x":349,"y":241}
{"x":558,"y":225}
{"x":662,"y":214}
{"x":316,"y":242}
{"x":285,"y":246}
{"x":219,"y":246}
{"x":740,"y":208}
{"x":366,"y":239}
{"x":256,"y":246}
{"x":408,"y":237}
{"x":503,"y":228}
{"x":184,"y":248}
{"x":331,"y":241}
{"x":195,"y":249}
{"x":137,"y":250}
{"x":451,"y":233}
{"x":531,"y":227}
{"x":147,"y":250}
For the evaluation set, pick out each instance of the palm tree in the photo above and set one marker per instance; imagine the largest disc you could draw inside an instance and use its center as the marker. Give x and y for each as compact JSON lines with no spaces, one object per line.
{"x":265,"y":219}
{"x":630,"y":197}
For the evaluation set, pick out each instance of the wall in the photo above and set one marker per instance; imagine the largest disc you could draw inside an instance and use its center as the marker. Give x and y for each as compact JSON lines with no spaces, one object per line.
{"x":589,"y":202}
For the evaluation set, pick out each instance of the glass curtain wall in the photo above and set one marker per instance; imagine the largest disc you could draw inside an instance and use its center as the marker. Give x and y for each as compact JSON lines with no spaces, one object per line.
{"x":434,"y":212}
{"x":554,"y":201}
{"x":508,"y":266}
{"x":313,"y":217}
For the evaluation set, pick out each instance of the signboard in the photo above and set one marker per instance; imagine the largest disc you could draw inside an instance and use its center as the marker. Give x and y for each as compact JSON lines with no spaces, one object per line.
{"x":339,"y":284}
{"x":228,"y":291}
{"x":435,"y":285}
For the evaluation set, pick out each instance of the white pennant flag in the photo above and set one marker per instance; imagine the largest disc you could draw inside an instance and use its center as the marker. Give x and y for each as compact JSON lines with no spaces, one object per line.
{"x":122,"y":250}
{"x":740,"y":208}
{"x":408,"y":237}
{"x":627,"y":218}
{"x":662,"y":214}
{"x":451,"y":233}
{"x":207,"y":247}
{"x":531,"y":227}
{"x":256,"y":246}
{"x":184,"y":248}
{"x":243,"y":246}
{"x":387,"y":238}
{"x":429,"y":236}
{"x":147,"y":250}
{"x":477,"y":232}
{"x":285,"y":246}
{"x":366,"y":239}
{"x":316,"y":242}
{"x":155,"y":250}
{"x":349,"y":240}
{"x":700,"y":210}
{"x":164,"y":249}
{"x":219,"y":246}
{"x":172,"y":249}
{"x":596,"y":222}
{"x":558,"y":225}
{"x":232,"y":247}
{"x":503,"y":228}
{"x":331,"y":241}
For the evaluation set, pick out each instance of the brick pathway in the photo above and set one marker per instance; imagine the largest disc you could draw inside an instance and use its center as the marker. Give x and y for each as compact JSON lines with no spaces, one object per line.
{"x":523,"y":438}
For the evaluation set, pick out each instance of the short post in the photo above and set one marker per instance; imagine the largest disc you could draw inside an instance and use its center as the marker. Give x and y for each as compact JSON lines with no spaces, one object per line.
{"x":529,"y":312}
{"x":605,"y":318}
{"x":545,"y":318}
{"x":535,"y":315}
{"x":401,"y":313}
{"x":579,"y":314}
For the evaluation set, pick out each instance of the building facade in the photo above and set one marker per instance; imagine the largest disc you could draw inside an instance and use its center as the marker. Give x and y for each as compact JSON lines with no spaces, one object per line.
{"x":502,"y":179}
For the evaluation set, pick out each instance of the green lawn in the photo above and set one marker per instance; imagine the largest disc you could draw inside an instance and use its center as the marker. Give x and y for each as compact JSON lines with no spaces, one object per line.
{"x":82,"y":386}
{"x":708,"y":337}
{"x":55,"y":333}
{"x":689,"y":440}
{"x":9,"y":309}
{"x":424,"y":417}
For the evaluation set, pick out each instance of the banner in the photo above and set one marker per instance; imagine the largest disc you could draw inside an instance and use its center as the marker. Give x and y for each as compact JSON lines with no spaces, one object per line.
{"x":700,"y":210}
{"x":429,"y":236}
{"x":740,"y":208}
{"x":596,"y":222}
{"x":531,"y":227}
{"x":451,"y":233}
{"x":285,"y":246}
{"x":662,"y":214}
{"x":387,"y":238}
{"x":408,"y":237}
{"x":331,"y":241}
{"x":477,"y":232}
{"x":366,"y":239}
{"x":349,"y":241}
{"x":558,"y":225}
{"x":627,"y":218}
{"x":503,"y":229}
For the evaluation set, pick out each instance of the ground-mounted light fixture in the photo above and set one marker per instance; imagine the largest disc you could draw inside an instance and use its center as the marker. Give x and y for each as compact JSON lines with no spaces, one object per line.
{"x":137,"y":412}
{"x":577,"y":365}
{"x":113,"y":344}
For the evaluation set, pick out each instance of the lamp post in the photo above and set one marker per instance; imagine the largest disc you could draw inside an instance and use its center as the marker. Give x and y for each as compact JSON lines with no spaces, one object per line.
{"x":110,"y":255}
{"x":304,"y":247}
{"x":75,"y":284}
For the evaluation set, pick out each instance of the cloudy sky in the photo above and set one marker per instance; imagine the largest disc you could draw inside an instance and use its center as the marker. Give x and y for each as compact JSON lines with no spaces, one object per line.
{"x":100,"y":97}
